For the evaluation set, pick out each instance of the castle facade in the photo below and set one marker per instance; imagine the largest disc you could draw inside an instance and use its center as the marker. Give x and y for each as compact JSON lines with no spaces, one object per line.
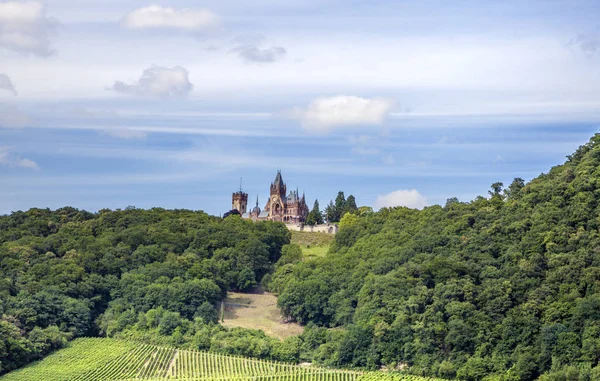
{"x":289,"y":208}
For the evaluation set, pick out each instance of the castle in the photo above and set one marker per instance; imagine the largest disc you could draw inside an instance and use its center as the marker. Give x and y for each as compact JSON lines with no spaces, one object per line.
{"x":290,"y":208}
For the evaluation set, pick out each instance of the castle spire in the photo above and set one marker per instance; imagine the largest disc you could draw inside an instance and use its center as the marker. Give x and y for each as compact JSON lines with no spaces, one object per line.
{"x":278,"y":178}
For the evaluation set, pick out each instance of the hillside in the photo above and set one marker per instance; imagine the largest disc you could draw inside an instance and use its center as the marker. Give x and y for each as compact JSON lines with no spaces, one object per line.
{"x":116,"y":360}
{"x":504,"y":287}
{"x":156,"y":275}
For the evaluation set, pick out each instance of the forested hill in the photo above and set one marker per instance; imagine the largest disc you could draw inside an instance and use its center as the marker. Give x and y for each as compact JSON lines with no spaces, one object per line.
{"x":70,"y":273}
{"x":507,"y":285}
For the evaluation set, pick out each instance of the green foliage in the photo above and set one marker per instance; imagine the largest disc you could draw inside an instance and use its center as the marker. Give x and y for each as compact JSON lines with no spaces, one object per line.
{"x":290,"y":254}
{"x":505,"y":287}
{"x":315,"y":217}
{"x":349,"y":220}
{"x":336,"y":210}
{"x":69,"y":273}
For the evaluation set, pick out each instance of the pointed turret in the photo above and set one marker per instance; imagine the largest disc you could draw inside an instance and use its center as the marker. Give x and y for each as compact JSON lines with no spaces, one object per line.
{"x":278,"y":186}
{"x":278,"y":180}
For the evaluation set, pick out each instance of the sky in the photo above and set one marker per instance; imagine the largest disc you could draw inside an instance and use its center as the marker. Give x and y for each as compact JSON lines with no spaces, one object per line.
{"x":112,"y":103}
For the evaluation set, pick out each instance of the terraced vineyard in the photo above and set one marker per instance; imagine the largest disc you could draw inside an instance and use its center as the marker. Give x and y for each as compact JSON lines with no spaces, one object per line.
{"x":116,"y":360}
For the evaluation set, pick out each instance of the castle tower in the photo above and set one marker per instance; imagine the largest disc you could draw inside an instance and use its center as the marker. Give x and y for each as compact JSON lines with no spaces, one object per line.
{"x":278,"y":187}
{"x":277,"y":204}
{"x":239,"y":200}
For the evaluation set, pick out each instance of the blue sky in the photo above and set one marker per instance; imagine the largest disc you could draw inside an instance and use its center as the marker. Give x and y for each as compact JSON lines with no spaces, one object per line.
{"x":117,"y":103}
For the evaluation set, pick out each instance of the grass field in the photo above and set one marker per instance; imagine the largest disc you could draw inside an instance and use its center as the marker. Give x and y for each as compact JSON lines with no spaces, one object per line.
{"x":115,"y":360}
{"x":258,"y":311}
{"x":314,"y":245}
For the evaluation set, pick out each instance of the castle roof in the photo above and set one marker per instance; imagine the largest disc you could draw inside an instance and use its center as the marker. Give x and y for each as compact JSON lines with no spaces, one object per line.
{"x":256,"y":210}
{"x":278,"y":179}
{"x":293,"y":196}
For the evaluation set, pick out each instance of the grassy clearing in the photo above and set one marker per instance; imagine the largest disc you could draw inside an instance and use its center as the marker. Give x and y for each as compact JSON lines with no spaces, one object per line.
{"x":258,"y":311}
{"x":315,"y":252}
{"x":314,"y":245}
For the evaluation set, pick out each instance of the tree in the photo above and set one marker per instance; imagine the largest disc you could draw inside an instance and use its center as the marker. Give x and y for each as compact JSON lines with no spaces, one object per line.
{"x":291,"y":253}
{"x":514,"y":189}
{"x":349,"y":219}
{"x":450,"y":201}
{"x":330,"y":214}
{"x":14,"y":349}
{"x":351,"y":205}
{"x":232,"y":212}
{"x":365,"y":210}
{"x":315,"y":217}
{"x":340,"y":206}
{"x":496,"y":189}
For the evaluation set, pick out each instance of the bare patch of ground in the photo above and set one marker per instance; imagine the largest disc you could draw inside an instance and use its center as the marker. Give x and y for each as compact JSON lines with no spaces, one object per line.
{"x":258,"y":310}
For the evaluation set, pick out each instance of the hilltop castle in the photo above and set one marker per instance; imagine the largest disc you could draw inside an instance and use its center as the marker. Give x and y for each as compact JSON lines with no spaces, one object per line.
{"x":290,"y":208}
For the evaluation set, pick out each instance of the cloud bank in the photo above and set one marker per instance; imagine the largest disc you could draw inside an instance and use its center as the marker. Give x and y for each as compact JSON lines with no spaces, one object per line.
{"x":158,"y":81}
{"x":124,"y":133}
{"x":326,"y":113}
{"x":11,"y":160}
{"x":7,"y":84}
{"x":252,"y":53}
{"x":12,"y":117}
{"x":154,"y":17}
{"x":588,"y":43}
{"x":24,"y":27}
{"x":402,"y":197}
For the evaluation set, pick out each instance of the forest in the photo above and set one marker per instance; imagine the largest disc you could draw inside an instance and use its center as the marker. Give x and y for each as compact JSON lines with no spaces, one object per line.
{"x":69,"y":273}
{"x":504,"y":287}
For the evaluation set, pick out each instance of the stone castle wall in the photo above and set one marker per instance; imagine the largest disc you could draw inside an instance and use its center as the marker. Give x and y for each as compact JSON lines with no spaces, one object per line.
{"x":324,"y":228}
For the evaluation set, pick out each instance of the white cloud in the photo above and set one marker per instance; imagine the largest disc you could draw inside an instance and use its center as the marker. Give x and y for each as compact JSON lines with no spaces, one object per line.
{"x":250,"y":52}
{"x":124,"y":133}
{"x":409,"y":198}
{"x":326,"y":113}
{"x":388,"y":160}
{"x":25,"y":28}
{"x":12,"y":117}
{"x":11,"y":160}
{"x":361,"y":139}
{"x":85,"y":113}
{"x":155,"y":16}
{"x":159,"y":82}
{"x":588,"y":43}
{"x":366,"y":150}
{"x":7,"y":84}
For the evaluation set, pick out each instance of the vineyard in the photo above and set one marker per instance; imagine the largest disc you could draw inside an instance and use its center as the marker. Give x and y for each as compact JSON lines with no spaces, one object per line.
{"x":115,"y":360}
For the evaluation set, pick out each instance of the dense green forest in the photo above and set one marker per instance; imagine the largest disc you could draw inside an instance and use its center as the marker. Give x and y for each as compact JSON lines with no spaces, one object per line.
{"x":70,"y":273}
{"x":505,"y":287}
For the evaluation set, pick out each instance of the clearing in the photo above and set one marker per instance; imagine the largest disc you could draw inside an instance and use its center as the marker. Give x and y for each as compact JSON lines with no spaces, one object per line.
{"x":314,"y":245}
{"x":258,"y":310}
